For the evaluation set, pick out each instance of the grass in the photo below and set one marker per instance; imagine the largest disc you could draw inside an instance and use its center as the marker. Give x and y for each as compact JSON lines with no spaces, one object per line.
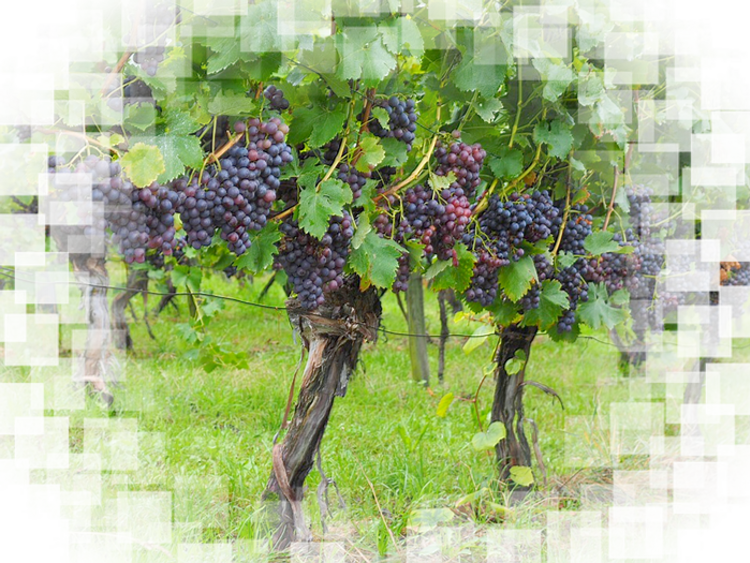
{"x":207,"y":437}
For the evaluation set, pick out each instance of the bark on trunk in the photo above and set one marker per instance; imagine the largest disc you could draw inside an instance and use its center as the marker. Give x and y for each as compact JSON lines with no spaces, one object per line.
{"x":137,"y":283}
{"x":333,"y":335}
{"x":420,"y":366}
{"x":96,"y":364}
{"x":507,"y":406}
{"x":692,"y":434}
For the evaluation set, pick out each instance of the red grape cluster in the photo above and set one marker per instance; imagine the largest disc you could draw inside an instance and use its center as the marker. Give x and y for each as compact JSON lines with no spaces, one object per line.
{"x":46,"y":35}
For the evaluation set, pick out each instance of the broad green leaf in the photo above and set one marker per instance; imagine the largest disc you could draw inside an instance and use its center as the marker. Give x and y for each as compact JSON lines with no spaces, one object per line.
{"x":552,"y":302}
{"x":396,"y":153}
{"x":483,"y":66}
{"x":509,"y":165}
{"x":231,"y":103}
{"x":488,"y":109}
{"x":363,"y":228}
{"x":316,"y":126}
{"x":142,"y":164}
{"x":504,"y":311}
{"x":557,"y":77}
{"x":597,"y":311}
{"x":557,"y":136}
{"x":316,"y":207}
{"x":363,"y":55}
{"x":430,"y":517}
{"x":181,"y":123}
{"x":516,"y":363}
{"x":226,"y":52}
{"x":382,"y":116}
{"x":522,"y":475}
{"x":187,"y":333}
{"x":456,"y":275}
{"x":590,"y":86}
{"x":440,"y":183}
{"x":478,"y":337}
{"x":373,"y":153}
{"x":599,"y":242}
{"x":179,"y":151}
{"x":566,"y":259}
{"x":139,"y":116}
{"x":490,"y":438}
{"x":376,"y":260}
{"x":262,"y":249}
{"x":260,"y":28}
{"x":444,"y":405}
{"x":516,"y":278}
{"x":402,"y":34}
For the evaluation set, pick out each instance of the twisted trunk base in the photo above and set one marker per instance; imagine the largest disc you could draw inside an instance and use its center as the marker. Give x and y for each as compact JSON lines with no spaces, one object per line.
{"x":333,"y":336}
{"x":692,"y":435}
{"x":96,"y":363}
{"x":137,"y":283}
{"x":507,"y":406}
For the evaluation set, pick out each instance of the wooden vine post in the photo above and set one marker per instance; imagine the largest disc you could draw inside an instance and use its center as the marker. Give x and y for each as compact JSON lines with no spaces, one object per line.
{"x":333,"y":336}
{"x":693,"y":437}
{"x":507,"y":406}
{"x":420,"y":366}
{"x":96,"y":364}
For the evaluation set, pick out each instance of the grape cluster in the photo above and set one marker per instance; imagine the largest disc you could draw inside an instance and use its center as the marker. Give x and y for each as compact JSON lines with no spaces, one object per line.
{"x":314,"y":267}
{"x":402,"y":120}
{"x":132,"y":91}
{"x":155,"y":21}
{"x":616,"y":270}
{"x":735,"y":273}
{"x":237,"y":197}
{"x":465,"y":161}
{"x":276,"y":97}
{"x":46,"y":35}
{"x":140,"y":219}
{"x":355,"y":179}
{"x":483,"y":288}
{"x":23,"y":130}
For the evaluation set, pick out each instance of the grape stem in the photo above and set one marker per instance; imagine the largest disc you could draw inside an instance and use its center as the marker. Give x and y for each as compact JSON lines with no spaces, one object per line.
{"x":129,"y":50}
{"x":565,"y":218}
{"x":625,"y":169}
{"x":86,"y":138}
{"x":214,"y":156}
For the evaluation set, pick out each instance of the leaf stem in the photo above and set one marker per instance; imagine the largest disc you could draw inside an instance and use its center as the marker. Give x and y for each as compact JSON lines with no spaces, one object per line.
{"x":518,"y":109}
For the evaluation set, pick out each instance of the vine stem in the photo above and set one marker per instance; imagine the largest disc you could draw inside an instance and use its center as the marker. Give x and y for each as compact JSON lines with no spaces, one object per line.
{"x":529,"y":170}
{"x":83,"y":136}
{"x":625,"y":169}
{"x":518,"y":109}
{"x":565,"y":219}
{"x":215,"y":156}
{"x":129,"y":50}
{"x":417,"y":171}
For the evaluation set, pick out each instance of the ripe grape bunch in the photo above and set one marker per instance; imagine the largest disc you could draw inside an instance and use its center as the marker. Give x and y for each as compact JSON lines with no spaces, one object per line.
{"x":155,"y":21}
{"x":139,"y":219}
{"x":276,"y":97}
{"x":46,"y":35}
{"x":402,"y":120}
{"x":314,"y":267}
{"x":237,"y":197}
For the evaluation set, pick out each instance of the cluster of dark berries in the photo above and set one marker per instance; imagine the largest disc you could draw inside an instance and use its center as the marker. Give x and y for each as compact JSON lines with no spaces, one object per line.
{"x":155,"y":21}
{"x":46,"y":35}
{"x":276,"y":97}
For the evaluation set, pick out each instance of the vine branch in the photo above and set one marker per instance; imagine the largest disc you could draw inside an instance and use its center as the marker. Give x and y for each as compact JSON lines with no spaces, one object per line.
{"x":129,"y":50}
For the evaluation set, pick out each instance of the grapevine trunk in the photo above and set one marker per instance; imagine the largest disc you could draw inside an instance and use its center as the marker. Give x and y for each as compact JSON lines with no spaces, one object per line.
{"x":507,"y":406}
{"x":333,"y":336}
{"x":137,"y":282}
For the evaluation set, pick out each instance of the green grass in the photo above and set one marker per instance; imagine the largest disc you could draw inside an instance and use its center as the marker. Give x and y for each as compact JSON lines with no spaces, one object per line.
{"x":207,"y":437}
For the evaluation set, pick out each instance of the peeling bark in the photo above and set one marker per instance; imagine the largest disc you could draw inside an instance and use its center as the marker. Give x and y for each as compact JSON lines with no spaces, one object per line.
{"x":137,"y":283}
{"x":96,"y":363}
{"x":507,"y":406}
{"x":692,"y":435}
{"x":333,"y":336}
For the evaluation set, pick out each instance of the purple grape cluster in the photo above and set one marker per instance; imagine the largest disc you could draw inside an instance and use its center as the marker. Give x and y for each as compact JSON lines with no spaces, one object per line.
{"x":402,"y":120}
{"x":132,"y":91}
{"x":155,"y":21}
{"x":276,"y":97}
{"x":314,"y":267}
{"x":237,"y":197}
{"x":483,"y":288}
{"x":46,"y":35}
{"x":139,"y":218}
{"x":355,"y":179}
{"x":465,"y":161}
{"x":23,"y":130}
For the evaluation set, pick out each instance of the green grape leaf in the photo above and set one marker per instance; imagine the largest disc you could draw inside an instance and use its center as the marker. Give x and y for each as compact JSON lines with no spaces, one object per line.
{"x":316,"y":207}
{"x":552,"y":302}
{"x":556,"y":135}
{"x":504,"y":311}
{"x":226,"y":52}
{"x":597,"y":311}
{"x":590,"y":86}
{"x":402,"y":34}
{"x":262,"y":249}
{"x":508,"y":165}
{"x":488,"y":109}
{"x":516,"y":278}
{"x":382,"y":116}
{"x":376,"y":260}
{"x":231,"y":103}
{"x":440,"y":183}
{"x":363,"y":55}
{"x":557,"y":78}
{"x":178,"y":151}
{"x":139,"y":116}
{"x":478,"y":337}
{"x":372,"y":153}
{"x":142,"y":164}
{"x":310,"y":173}
{"x":396,"y":153}
{"x":363,"y":228}
{"x":476,"y":71}
{"x":181,"y":123}
{"x":490,"y":438}
{"x":259,"y":29}
{"x":444,"y":405}
{"x":316,"y":125}
{"x":566,"y":259}
{"x":522,"y":475}
{"x":451,"y":274}
{"x":598,"y":243}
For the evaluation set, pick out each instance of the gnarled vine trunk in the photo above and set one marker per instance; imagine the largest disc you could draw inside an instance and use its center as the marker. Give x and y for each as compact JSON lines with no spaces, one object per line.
{"x":137,"y":283}
{"x":96,"y":363}
{"x":692,"y":434}
{"x":333,"y":336}
{"x":507,"y":406}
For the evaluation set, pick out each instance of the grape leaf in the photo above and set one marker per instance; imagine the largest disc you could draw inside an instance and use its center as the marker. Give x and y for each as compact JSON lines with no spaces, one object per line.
{"x":226,"y":52}
{"x":372,"y":153}
{"x":178,"y":151}
{"x":566,"y":259}
{"x":453,"y":276}
{"x":262,"y":249}
{"x":483,"y":66}
{"x":556,"y":135}
{"x":396,"y":153}
{"x":509,"y":165}
{"x":231,"y":103}
{"x":600,"y":242}
{"x":376,"y":260}
{"x":363,"y":55}
{"x":557,"y":78}
{"x":181,"y":123}
{"x":139,"y":116}
{"x":490,"y":438}
{"x":381,"y":115}
{"x":260,"y":28}
{"x":590,"y":86}
{"x":478,"y":337}
{"x":516,"y":278}
{"x":522,"y":475}
{"x":444,"y":405}
{"x":597,"y":311}
{"x":402,"y":34}
{"x":142,"y":164}
{"x":316,"y":125}
{"x":552,"y":301}
{"x":316,"y":207}
{"x":488,"y":109}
